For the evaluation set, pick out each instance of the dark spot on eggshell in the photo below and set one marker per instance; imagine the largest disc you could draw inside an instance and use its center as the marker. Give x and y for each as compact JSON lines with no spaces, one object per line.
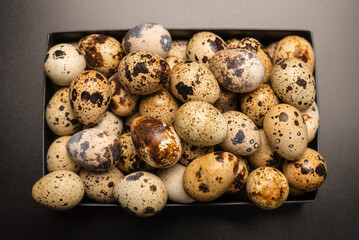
{"x":92,"y":56}
{"x":219,"y":157}
{"x":198,"y":173}
{"x":99,"y":76}
{"x":296,"y":123}
{"x":238,"y":138}
{"x":134,"y":176}
{"x":62,"y":107}
{"x":299,"y":54}
{"x":301,"y":82}
{"x":46,"y":57}
{"x":239,"y":72}
{"x":205,"y":59}
{"x":217,"y":44}
{"x":139,"y":68}
{"x":320,"y":170}
{"x":153,"y":188}
{"x":85,"y":145}
{"x":249,"y":99}
{"x":73,"y":95}
{"x":95,"y":98}
{"x":166,"y":42}
{"x":148,"y":210}
{"x":127,"y":45}
{"x":289,"y":88}
{"x":238,"y":182}
{"x":203,"y":188}
{"x":75,"y":138}
{"x":283,"y":65}
{"x":58,"y":54}
{"x":283,"y":117}
{"x":249,"y":149}
{"x":184,"y":90}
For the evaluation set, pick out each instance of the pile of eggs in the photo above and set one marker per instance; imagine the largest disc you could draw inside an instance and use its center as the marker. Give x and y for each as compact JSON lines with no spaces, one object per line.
{"x":152,"y":119}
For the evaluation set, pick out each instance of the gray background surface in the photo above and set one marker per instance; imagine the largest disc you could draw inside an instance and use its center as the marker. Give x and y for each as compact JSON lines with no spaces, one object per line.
{"x":24,"y":25}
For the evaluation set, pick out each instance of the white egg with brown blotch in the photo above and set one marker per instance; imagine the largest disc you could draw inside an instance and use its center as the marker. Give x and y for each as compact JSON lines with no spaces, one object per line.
{"x":311,"y":119}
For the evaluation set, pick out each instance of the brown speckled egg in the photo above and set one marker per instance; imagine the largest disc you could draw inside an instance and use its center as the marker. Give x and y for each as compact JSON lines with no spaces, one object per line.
{"x":161,"y":105}
{"x":271,"y":49}
{"x":241,"y":176}
{"x":123,"y":103}
{"x":60,"y":117}
{"x":103,"y":53}
{"x":256,"y":47}
{"x":232,"y":43}
{"x":143,"y":73}
{"x":156,"y":142}
{"x":99,"y":185}
{"x":111,"y":123}
{"x":308,"y":173}
{"x":202,"y":46}
{"x":129,"y":160}
{"x":266,"y":156}
{"x":293,"y":83}
{"x":94,"y":149}
{"x":286,"y":131}
{"x":172,"y":61}
{"x":208,"y":177}
{"x":59,"y":190}
{"x":142,"y":194}
{"x":238,"y":70}
{"x":295,"y":47}
{"x":151,"y":37}
{"x":90,"y":95}
{"x":178,"y":49}
{"x":311,"y":118}
{"x":128,"y":122}
{"x":191,"y":152}
{"x":267,"y":188}
{"x":191,"y":81}
{"x":242,"y":137}
{"x":257,"y":103}
{"x":57,"y":157}
{"x":227,"y":101}
{"x":200,"y":124}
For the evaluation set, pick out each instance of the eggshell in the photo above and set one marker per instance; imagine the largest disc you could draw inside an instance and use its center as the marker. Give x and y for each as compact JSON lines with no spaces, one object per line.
{"x":60,"y":117}
{"x":172,"y":61}
{"x":178,"y":49}
{"x":142,"y":194}
{"x":156,"y":142}
{"x":241,"y":176}
{"x":286,"y":131}
{"x":59,"y":190}
{"x":63,"y":62}
{"x":311,"y":119}
{"x":90,"y":95}
{"x":94,"y":149}
{"x":208,"y":177}
{"x":191,"y":152}
{"x":232,"y":43}
{"x":242,"y":137}
{"x":172,"y":178}
{"x":295,"y":193}
{"x":293,"y":83}
{"x":99,"y":185}
{"x":227,"y":101}
{"x":143,"y":72}
{"x":271,"y":49}
{"x":238,"y":70}
{"x":110,"y":123}
{"x":129,"y":120}
{"x":308,"y":173}
{"x":192,"y":81}
{"x":200,"y":124}
{"x":57,"y":157}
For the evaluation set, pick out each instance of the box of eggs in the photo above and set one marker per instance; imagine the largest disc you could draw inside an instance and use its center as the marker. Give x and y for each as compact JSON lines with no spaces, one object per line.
{"x":149,"y":117}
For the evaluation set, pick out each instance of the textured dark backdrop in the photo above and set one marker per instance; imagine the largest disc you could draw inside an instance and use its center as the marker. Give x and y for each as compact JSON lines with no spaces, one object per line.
{"x":24,"y":25}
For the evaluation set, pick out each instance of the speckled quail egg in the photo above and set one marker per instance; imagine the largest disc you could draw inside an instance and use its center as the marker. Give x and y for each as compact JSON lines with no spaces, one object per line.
{"x":295,"y":47}
{"x":311,"y":119}
{"x":200,"y":124}
{"x":232,"y":43}
{"x":202,"y":46}
{"x":238,"y":70}
{"x":110,"y":123}
{"x":172,"y":178}
{"x":257,"y":103}
{"x":143,"y":73}
{"x":94,"y":149}
{"x":129,"y":120}
{"x":267,"y":188}
{"x":90,"y":95}
{"x":178,"y":49}
{"x":57,"y":157}
{"x":156,"y":142}
{"x":286,"y":131}
{"x":271,"y":48}
{"x":129,"y":160}
{"x":191,"y":81}
{"x":266,"y":156}
{"x":172,"y":61}
{"x":103,"y":53}
{"x":241,"y":176}
{"x":99,"y":185}
{"x":142,"y":194}
{"x":293,"y":83}
{"x":59,"y":190}
{"x":242,"y":137}
{"x":151,"y":37}
{"x":227,"y":101}
{"x":208,"y":177}
{"x":60,"y":117}
{"x":191,"y":152}
{"x":63,"y":62}
{"x":256,"y":47}
{"x":308,"y":173}
{"x":161,"y":105}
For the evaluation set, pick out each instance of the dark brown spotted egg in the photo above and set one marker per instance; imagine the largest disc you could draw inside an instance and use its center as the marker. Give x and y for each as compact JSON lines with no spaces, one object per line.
{"x":142,"y":194}
{"x":60,"y":117}
{"x":156,"y":142}
{"x":308,"y":173}
{"x":90,"y":95}
{"x":143,"y":72}
{"x":294,"y":83}
{"x":94,"y":149}
{"x":151,"y":37}
{"x":103,"y":53}
{"x":191,"y":81}
{"x":267,"y":187}
{"x":227,"y":101}
{"x":202,"y":46}
{"x":241,"y":176}
{"x":238,"y":70}
{"x":191,"y":152}
{"x":242,"y":137}
{"x":311,"y":118}
{"x":178,"y":49}
{"x":286,"y":131}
